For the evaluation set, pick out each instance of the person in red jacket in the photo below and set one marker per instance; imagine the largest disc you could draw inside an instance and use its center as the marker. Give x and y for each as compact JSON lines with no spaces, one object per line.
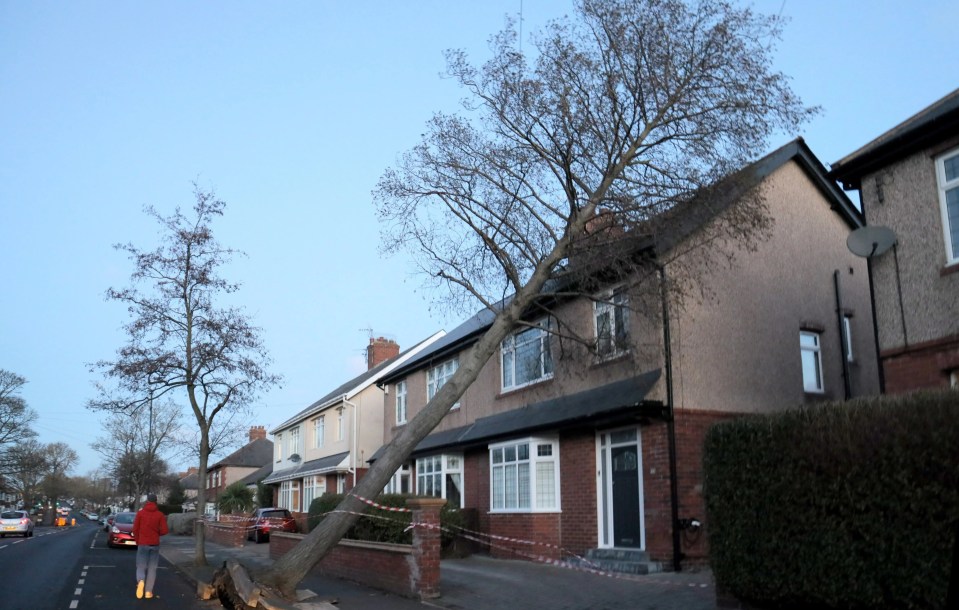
{"x":148,"y":526}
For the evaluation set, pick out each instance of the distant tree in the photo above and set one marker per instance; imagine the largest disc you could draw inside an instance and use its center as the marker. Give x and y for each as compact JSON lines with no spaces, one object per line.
{"x":264,"y":495}
{"x":26,"y":466}
{"x":631,"y":110}
{"x":132,"y":446}
{"x":15,"y":416}
{"x":237,"y":498}
{"x":182,"y":342}
{"x":59,"y":460}
{"x":177,"y":495}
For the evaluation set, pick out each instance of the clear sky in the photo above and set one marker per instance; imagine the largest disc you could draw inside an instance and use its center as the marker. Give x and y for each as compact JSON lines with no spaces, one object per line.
{"x":291,"y":111}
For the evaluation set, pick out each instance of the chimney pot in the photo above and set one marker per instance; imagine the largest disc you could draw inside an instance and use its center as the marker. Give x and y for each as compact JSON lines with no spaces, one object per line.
{"x":380,"y":350}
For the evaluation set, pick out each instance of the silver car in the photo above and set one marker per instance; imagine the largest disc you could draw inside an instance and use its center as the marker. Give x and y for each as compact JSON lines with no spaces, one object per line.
{"x":15,"y":522}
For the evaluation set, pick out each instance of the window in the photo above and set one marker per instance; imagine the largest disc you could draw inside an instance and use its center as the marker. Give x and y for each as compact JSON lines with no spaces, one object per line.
{"x":319,"y":431}
{"x":400,"y":483}
{"x":441,"y":476}
{"x":526,"y":356}
{"x":811,"y":361}
{"x":339,"y":424}
{"x":290,"y":495}
{"x":847,"y":336}
{"x":947,"y":173}
{"x":437,"y":376}
{"x":611,"y":315}
{"x":279,"y":447}
{"x":524,"y":476}
{"x":294,"y":441}
{"x":401,"y":402}
{"x":313,"y":488}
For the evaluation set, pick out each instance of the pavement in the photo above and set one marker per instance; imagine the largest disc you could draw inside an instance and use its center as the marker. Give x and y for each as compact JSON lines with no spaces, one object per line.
{"x":473,"y":583}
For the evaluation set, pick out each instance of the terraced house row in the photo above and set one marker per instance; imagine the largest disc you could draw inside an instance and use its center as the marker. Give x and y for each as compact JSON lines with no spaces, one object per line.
{"x":594,"y":447}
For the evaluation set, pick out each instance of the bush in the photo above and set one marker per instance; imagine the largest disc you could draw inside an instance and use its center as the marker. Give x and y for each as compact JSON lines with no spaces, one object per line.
{"x":378,"y":525}
{"x":851,"y":505}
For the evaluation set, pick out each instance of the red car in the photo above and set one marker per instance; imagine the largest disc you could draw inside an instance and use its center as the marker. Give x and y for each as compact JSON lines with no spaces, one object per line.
{"x":121,"y":532}
{"x":266,"y":519}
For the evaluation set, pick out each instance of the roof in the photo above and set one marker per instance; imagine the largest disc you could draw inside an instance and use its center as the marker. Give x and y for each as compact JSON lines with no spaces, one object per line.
{"x":358,"y":383}
{"x":252,"y":455}
{"x":922,"y":130}
{"x":612,"y":401}
{"x":330,"y":463}
{"x":685,"y":219}
{"x":257,"y":475}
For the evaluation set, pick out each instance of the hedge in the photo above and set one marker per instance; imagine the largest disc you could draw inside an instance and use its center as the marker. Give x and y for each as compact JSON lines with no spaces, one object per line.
{"x":850,"y":505}
{"x":379,"y":525}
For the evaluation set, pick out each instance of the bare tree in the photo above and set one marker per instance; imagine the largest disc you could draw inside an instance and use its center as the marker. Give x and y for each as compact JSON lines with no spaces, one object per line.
{"x":25,"y":466}
{"x":182,"y":343}
{"x":147,"y":435}
{"x":579,"y":156}
{"x":59,"y":459}
{"x":15,"y":415}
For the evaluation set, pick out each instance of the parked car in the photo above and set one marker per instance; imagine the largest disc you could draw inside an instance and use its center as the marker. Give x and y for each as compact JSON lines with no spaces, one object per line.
{"x":265,"y":519}
{"x":108,"y":522}
{"x":121,"y":531}
{"x":16,"y":522}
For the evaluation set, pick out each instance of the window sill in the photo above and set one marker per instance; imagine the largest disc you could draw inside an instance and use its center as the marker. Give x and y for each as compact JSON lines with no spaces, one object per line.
{"x":525,"y":511}
{"x":611,"y":358}
{"x":949,"y":269}
{"x":525,"y":386}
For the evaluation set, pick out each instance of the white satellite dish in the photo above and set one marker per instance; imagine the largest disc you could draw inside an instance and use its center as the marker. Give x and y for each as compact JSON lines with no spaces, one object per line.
{"x":870,"y":241}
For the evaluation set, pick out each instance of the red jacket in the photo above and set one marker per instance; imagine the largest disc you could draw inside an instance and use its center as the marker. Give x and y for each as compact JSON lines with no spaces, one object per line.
{"x":149,"y":525}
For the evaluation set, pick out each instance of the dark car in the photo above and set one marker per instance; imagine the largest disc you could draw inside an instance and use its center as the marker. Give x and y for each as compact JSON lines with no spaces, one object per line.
{"x":121,"y":532}
{"x":265,"y":519}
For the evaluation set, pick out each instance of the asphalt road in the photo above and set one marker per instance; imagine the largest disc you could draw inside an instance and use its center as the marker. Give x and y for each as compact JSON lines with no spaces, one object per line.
{"x":67,"y":568}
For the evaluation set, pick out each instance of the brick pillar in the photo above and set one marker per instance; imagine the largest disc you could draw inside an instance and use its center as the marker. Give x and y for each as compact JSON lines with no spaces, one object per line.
{"x":426,"y":544}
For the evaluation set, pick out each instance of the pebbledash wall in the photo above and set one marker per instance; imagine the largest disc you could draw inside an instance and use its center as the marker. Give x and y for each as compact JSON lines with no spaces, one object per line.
{"x":575,"y":528}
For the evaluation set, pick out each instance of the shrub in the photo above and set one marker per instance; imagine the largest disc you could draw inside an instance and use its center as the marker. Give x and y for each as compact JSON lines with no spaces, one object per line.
{"x":851,"y":505}
{"x":378,"y":525}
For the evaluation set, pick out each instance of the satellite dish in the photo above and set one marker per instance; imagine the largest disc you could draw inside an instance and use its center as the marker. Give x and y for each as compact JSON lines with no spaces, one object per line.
{"x":868,"y":242}
{"x":295,"y":458}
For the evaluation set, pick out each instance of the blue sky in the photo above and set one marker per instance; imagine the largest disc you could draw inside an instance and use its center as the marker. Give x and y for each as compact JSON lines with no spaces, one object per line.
{"x":291,"y":111}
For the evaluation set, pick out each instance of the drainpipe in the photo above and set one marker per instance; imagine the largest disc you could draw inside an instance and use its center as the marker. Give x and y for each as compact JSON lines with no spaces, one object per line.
{"x":670,"y":424}
{"x":847,"y":390}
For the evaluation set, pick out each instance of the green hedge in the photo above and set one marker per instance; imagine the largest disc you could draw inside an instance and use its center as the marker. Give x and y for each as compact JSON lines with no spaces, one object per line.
{"x":852,"y":505}
{"x":384,"y":526}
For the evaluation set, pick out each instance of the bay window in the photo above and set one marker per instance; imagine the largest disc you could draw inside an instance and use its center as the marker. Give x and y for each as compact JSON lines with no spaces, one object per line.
{"x":441,"y":476}
{"x":524,"y":476}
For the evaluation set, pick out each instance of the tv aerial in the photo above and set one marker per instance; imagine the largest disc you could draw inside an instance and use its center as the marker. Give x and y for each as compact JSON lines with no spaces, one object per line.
{"x":870,"y":241}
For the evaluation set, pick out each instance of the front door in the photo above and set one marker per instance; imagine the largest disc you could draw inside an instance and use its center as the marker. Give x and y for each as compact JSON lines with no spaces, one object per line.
{"x":621,"y":489}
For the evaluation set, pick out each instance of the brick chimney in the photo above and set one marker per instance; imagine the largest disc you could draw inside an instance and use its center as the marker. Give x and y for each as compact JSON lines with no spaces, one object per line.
{"x":257,"y":432}
{"x":380,"y":350}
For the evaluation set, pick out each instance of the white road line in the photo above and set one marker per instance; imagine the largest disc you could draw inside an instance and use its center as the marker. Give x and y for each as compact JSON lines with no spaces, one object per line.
{"x":78,"y":591}
{"x":81,"y":581}
{"x":74,"y":603}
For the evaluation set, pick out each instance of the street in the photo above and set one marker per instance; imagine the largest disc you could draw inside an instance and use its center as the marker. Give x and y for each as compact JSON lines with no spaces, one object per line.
{"x":72,"y":568}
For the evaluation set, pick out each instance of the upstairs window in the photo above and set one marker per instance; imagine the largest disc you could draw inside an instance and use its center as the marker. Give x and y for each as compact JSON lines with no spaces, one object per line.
{"x":294,"y":440}
{"x":811,"y":361}
{"x":847,"y":337}
{"x":319,"y":431}
{"x":401,"y":403}
{"x":947,"y":174}
{"x":526,"y":356}
{"x":437,"y":377}
{"x":279,"y":447}
{"x":611,"y":314}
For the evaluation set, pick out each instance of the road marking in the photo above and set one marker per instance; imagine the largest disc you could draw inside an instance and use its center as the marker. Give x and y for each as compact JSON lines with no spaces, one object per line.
{"x":78,"y":591}
{"x":82,"y":580}
{"x":75,"y":603}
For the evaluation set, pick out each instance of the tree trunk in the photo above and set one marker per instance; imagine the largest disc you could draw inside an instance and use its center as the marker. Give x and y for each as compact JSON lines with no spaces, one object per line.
{"x":199,"y":530}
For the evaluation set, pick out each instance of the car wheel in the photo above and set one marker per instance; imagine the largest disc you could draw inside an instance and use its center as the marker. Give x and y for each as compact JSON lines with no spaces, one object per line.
{"x":257,"y":536}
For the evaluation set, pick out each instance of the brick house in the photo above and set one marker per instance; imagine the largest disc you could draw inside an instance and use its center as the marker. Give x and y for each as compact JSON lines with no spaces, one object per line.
{"x":325,"y":446}
{"x":570,"y":446}
{"x":908,"y":181}
{"x":234,"y":467}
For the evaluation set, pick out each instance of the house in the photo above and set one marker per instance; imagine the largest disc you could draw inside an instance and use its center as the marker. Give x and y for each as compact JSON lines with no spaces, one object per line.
{"x":596,"y":448}
{"x":325,"y":446}
{"x":908,"y":181}
{"x":188,"y":482}
{"x":247,"y":459}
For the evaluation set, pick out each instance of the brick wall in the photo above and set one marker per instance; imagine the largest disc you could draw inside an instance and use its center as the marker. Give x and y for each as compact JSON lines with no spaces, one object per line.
{"x":578,"y":524}
{"x":543,"y":528}
{"x":920,"y":366}
{"x":231,"y":532}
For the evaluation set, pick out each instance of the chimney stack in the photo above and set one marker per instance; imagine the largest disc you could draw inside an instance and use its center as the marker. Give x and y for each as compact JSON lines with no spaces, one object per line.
{"x":257,"y":432}
{"x":380,"y":350}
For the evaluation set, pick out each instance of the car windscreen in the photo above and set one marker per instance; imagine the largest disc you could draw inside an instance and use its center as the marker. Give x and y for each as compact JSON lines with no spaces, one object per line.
{"x":124,"y":518}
